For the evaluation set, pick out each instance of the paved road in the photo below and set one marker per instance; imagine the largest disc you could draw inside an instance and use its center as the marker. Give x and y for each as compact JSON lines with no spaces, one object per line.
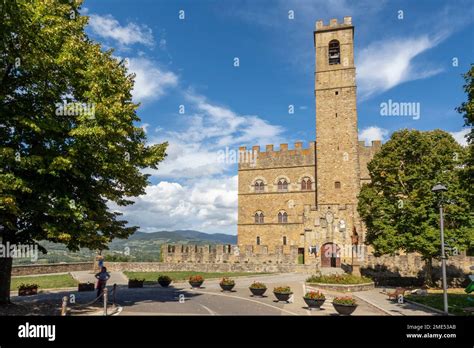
{"x":376,"y":298}
{"x":180,"y":299}
{"x":210,"y":300}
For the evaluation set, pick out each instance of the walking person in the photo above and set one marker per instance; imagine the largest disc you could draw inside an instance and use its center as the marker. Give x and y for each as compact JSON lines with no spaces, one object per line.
{"x":102,"y":278}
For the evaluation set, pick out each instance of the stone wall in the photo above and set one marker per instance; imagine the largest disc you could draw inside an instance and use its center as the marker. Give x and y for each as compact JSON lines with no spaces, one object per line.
{"x":209,"y":267}
{"x":366,"y":153}
{"x":51,"y":268}
{"x":226,"y":253}
{"x":270,"y":166}
{"x":410,"y":269}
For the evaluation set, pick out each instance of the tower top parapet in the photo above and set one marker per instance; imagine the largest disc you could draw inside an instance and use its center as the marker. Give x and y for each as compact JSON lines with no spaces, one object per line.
{"x":333,"y":24}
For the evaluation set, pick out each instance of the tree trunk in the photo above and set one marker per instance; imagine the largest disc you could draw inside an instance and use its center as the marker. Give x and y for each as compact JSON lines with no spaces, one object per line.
{"x":5,"y":279}
{"x":428,"y":271}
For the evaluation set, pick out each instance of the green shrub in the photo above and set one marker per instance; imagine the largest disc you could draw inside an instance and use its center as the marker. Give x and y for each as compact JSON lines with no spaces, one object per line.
{"x":282,"y":290}
{"x":227,"y":281}
{"x":338,"y":279}
{"x":257,"y":285}
{"x":27,"y":286}
{"x":164,"y":278}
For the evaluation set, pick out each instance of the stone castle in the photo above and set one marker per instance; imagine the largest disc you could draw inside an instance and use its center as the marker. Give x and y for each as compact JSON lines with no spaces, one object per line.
{"x":300,"y":205}
{"x":307,"y":197}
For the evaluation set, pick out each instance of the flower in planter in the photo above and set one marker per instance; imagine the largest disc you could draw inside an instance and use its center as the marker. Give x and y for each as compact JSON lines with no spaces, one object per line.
{"x":345,"y":300}
{"x":227,"y":281}
{"x":314,"y":295}
{"x":282,"y":290}
{"x":136,"y":280}
{"x":257,"y":285}
{"x":196,"y":279}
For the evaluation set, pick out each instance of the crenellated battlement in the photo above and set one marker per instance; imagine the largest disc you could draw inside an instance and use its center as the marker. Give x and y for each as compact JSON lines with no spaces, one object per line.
{"x":227,"y":253}
{"x":270,"y":148}
{"x":284,"y":156}
{"x":376,"y":144}
{"x":333,"y":24}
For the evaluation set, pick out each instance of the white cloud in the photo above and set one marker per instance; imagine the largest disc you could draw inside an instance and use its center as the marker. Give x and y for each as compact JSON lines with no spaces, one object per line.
{"x":145,"y":127}
{"x":163,"y":44}
{"x":460,"y":136}
{"x":109,"y":28}
{"x":208,"y":205}
{"x":373,"y":133}
{"x":385,"y":64}
{"x":151,"y":81}
{"x":193,"y":151}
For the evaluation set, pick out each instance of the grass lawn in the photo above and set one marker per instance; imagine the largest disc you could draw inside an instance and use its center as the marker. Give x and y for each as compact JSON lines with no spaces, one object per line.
{"x":45,"y":282}
{"x":152,"y":277}
{"x":457,"y":300}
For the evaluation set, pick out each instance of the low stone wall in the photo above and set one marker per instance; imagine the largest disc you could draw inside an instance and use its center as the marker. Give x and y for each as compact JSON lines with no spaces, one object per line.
{"x":227,"y":253}
{"x":209,"y":267}
{"x":408,"y":270}
{"x":341,"y":287}
{"x":51,"y":268}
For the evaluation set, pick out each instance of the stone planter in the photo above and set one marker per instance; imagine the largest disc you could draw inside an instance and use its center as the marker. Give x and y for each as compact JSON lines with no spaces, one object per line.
{"x":313,"y":303}
{"x":164,"y":283}
{"x":28,"y":291}
{"x":344,"y":309}
{"x":196,"y":284}
{"x":135,"y":284}
{"x":342,"y":287}
{"x":227,"y":287}
{"x":85,"y":287}
{"x":282,"y":296}
{"x":258,"y":291}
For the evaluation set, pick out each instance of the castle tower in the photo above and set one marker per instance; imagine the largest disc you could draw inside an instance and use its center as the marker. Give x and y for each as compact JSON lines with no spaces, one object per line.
{"x":337,"y":158}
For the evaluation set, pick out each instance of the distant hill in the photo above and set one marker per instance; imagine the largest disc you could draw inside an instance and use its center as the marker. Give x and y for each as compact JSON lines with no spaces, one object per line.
{"x":141,"y":246}
{"x":181,"y":235}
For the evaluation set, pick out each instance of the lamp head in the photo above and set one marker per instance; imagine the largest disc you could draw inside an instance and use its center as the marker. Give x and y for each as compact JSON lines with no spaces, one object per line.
{"x":439,"y":188}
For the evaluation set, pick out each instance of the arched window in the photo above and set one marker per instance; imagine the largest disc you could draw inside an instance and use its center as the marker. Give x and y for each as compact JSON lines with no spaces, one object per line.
{"x":258,"y":240}
{"x":259,"y":217}
{"x":337,"y":185}
{"x":282,"y":185}
{"x":284,"y":240}
{"x":282,"y":217}
{"x":306,"y":184}
{"x":259,"y":186}
{"x":334,"y":52}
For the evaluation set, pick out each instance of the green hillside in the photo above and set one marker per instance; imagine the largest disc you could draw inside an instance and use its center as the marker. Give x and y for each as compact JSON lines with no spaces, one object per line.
{"x":140,"y":246}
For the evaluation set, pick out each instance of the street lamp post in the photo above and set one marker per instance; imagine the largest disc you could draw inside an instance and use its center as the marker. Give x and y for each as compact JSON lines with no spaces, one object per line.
{"x":440,"y":188}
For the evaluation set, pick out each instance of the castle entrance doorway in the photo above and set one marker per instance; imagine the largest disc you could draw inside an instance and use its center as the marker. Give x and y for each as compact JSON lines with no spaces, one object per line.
{"x":301,"y":256}
{"x":330,"y":255}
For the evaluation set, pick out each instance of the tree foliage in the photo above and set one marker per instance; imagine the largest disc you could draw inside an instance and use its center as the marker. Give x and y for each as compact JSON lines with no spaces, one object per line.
{"x":398,"y":207}
{"x":59,"y":170}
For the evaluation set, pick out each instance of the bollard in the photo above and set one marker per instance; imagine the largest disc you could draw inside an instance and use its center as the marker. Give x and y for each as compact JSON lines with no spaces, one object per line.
{"x":105,"y":300}
{"x":113,"y":298}
{"x":64,"y":306}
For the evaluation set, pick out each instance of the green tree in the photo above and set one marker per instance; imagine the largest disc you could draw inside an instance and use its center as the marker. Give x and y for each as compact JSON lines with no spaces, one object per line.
{"x":58,"y":171}
{"x":398,"y":207}
{"x":467,"y":110}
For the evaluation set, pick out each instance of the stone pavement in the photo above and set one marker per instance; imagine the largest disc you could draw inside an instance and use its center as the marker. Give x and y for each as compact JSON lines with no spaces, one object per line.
{"x":391,"y":307}
{"x":210,"y":300}
{"x":88,"y":276}
{"x":180,"y":299}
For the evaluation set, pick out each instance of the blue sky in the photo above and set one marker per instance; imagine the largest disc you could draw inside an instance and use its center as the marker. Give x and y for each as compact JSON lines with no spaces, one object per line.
{"x":187,"y":65}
